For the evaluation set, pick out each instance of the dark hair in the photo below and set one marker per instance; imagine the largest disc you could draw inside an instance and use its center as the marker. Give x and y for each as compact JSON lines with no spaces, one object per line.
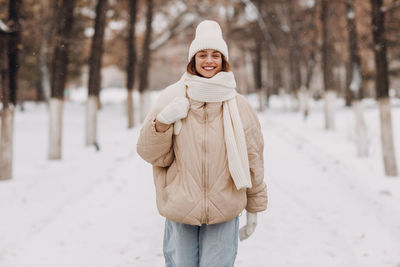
{"x":191,"y":66}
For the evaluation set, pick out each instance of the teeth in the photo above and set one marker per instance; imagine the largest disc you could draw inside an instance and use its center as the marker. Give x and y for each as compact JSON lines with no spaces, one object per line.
{"x":208,"y":68}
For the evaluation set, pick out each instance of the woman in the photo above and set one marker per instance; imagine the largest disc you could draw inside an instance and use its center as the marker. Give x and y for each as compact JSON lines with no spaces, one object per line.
{"x":206,"y":147}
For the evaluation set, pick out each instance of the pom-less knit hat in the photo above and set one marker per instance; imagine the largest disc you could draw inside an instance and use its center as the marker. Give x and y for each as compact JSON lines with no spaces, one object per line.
{"x":208,"y":36}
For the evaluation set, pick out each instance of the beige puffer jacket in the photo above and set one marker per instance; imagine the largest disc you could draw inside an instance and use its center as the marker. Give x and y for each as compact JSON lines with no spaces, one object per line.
{"x":191,"y":175}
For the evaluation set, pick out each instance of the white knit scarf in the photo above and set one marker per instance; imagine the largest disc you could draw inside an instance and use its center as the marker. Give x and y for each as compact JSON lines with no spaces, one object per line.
{"x":220,"y":88}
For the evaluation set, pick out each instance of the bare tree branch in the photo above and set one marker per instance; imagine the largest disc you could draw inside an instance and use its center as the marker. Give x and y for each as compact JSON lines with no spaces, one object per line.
{"x":177,"y":25}
{"x":391,"y":7}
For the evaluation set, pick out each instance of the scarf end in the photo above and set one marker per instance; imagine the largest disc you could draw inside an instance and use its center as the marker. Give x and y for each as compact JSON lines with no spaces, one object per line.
{"x":243,"y":184}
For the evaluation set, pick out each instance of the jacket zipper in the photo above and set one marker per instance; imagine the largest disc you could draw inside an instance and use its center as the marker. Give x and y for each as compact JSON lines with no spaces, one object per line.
{"x":205,"y":208}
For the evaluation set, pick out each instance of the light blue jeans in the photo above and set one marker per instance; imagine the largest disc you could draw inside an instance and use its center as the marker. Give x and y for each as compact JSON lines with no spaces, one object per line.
{"x":201,"y":246}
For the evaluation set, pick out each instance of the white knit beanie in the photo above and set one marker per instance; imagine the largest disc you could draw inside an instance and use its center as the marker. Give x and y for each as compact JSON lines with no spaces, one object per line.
{"x":208,"y":36}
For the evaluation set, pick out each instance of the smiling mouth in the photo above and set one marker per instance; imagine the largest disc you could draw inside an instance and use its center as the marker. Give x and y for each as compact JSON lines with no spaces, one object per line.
{"x":208,"y":68}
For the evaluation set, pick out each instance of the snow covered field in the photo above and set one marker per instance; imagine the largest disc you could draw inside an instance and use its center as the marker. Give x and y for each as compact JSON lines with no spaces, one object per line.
{"x":327,"y":208}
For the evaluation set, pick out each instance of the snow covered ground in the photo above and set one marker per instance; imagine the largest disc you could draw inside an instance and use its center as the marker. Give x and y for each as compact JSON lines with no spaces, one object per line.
{"x":327,"y":208}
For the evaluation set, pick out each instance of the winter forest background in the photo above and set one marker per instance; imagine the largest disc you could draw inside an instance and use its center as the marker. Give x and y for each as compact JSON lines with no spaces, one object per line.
{"x":77,"y":78}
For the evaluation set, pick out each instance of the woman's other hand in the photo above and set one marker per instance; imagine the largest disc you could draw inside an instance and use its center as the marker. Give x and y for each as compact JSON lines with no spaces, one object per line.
{"x":247,"y":230}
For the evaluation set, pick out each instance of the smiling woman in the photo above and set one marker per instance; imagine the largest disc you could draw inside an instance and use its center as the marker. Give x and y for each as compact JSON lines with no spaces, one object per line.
{"x":206,"y":146}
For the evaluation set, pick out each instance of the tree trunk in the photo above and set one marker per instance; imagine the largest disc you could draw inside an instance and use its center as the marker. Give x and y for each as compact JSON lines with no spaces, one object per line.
{"x":311,"y":62}
{"x":4,"y":76}
{"x":304,"y":99}
{"x":55,"y":131}
{"x":354,"y":90}
{"x":330,"y":102}
{"x":305,"y":90}
{"x":61,"y":51}
{"x":129,"y":109}
{"x":327,"y":63}
{"x":95,"y":60}
{"x":348,"y":95}
{"x":258,"y":71}
{"x":45,"y":46}
{"x":130,"y":70}
{"x":249,"y":67}
{"x":361,"y":131}
{"x":9,"y":66}
{"x":144,"y":104}
{"x":388,"y":151}
{"x":91,"y":120}
{"x":59,"y":77}
{"x":6,"y":143}
{"x":294,"y":56}
{"x":382,"y":88}
{"x":14,"y":42}
{"x":44,"y":70}
{"x":145,"y":63}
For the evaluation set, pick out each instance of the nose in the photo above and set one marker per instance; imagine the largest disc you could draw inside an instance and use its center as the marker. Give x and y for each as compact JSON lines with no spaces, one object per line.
{"x":209,"y":58}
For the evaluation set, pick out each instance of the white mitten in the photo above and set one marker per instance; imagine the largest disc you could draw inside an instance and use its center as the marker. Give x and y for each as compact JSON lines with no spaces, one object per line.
{"x":250,"y":226}
{"x":174,"y":111}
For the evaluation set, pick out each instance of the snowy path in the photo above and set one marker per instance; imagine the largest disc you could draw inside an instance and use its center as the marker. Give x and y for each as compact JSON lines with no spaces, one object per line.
{"x":319,"y":215}
{"x":98,"y":209}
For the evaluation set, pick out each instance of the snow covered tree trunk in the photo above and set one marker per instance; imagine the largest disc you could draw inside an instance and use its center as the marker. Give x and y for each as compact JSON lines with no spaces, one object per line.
{"x":129,"y":109}
{"x":328,"y":52}
{"x":388,"y":151}
{"x":144,"y":104}
{"x":261,"y":101}
{"x":59,"y":77}
{"x":6,"y":143}
{"x":55,"y":128}
{"x":91,"y":120}
{"x":361,"y":131}
{"x":303,"y":99}
{"x":382,"y":87}
{"x":330,"y":99}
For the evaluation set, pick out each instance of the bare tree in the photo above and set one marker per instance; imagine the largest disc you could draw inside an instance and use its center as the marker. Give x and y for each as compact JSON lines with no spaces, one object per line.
{"x":356,"y":82}
{"x":327,"y":63}
{"x":130,"y":70}
{"x":382,"y":88}
{"x":10,"y":40}
{"x":59,"y":76}
{"x":94,"y":87}
{"x":145,"y":62}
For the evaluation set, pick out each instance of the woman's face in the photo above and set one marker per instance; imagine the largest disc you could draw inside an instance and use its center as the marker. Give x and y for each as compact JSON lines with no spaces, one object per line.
{"x":208,"y":62}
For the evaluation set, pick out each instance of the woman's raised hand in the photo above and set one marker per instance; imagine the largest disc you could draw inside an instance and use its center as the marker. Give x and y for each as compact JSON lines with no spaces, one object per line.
{"x":174,"y":111}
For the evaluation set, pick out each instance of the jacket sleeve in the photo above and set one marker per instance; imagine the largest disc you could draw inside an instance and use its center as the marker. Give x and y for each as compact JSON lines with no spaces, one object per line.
{"x":257,"y":195}
{"x":155,"y":147}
